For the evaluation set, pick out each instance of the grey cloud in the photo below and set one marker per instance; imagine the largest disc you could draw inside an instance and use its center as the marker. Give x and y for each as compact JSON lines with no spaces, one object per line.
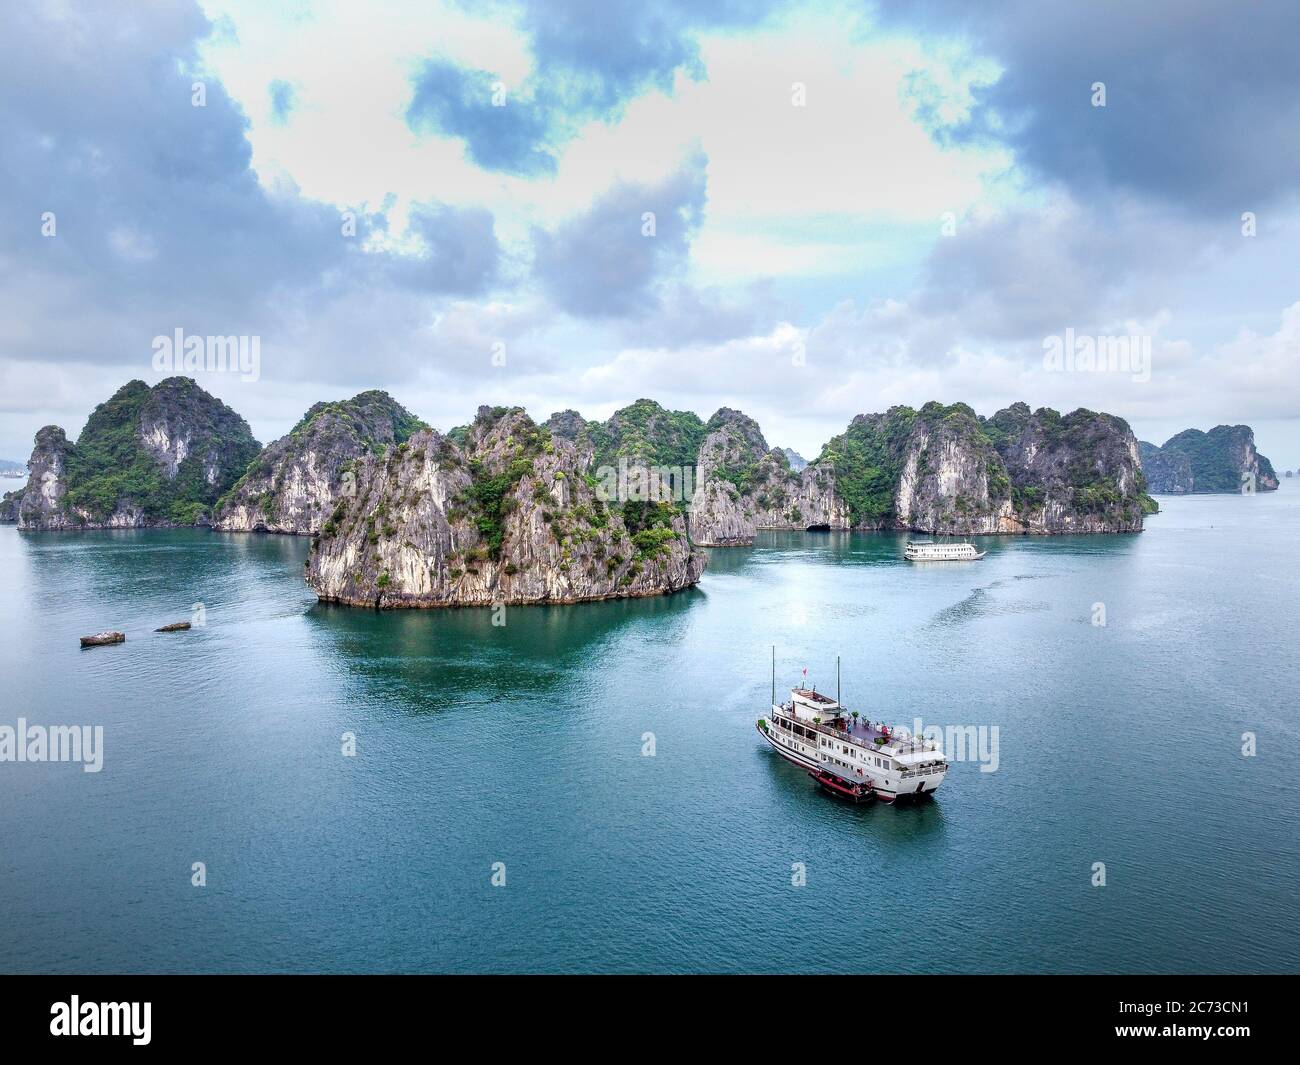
{"x":591,"y":57}
{"x":599,"y":264}
{"x":1005,"y":281}
{"x":689,"y":315}
{"x":607,"y":52}
{"x":160,"y":220}
{"x":511,"y":137}
{"x":1027,"y":272}
{"x":462,"y":254}
{"x":1203,"y":100}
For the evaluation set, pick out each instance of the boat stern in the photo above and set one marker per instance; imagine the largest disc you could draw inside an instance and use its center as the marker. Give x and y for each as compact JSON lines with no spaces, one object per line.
{"x":922,"y":774}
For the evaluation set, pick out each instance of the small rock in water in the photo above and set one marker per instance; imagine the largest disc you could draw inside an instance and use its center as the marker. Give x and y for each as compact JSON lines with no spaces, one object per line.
{"x":101,"y":638}
{"x":175,"y":626}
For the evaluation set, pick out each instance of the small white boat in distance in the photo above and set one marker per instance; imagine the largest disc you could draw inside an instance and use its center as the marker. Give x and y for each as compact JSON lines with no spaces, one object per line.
{"x":929,"y":551}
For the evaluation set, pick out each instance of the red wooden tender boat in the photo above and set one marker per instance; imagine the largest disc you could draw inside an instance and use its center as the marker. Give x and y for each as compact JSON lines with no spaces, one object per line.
{"x":843,"y":789}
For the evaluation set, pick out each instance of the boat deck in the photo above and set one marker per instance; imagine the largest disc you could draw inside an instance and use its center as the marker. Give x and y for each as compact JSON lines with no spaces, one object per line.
{"x":861,"y":731}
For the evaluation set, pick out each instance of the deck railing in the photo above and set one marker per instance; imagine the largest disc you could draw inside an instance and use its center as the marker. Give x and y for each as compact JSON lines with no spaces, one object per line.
{"x":901,"y":745}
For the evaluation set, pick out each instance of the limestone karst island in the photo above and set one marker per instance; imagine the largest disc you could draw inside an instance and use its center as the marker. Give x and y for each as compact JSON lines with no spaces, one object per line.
{"x":506,"y":509}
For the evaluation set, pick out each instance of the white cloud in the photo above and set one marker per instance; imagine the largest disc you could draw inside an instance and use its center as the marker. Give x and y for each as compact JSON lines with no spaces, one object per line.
{"x":854,"y":151}
{"x":347,"y":141}
{"x":839,"y":201}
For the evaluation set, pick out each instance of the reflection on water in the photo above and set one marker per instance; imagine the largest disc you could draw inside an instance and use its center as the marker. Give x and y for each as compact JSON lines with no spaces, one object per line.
{"x":447,"y":656}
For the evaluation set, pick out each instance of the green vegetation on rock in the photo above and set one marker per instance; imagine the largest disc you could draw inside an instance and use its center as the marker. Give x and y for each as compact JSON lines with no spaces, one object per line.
{"x":743,"y":464}
{"x":646,"y":432}
{"x":1081,"y":463}
{"x":360,"y":412}
{"x":489,"y":495}
{"x":868,"y":461}
{"x":111,"y":466}
{"x":315,"y":453}
{"x":1217,"y":461}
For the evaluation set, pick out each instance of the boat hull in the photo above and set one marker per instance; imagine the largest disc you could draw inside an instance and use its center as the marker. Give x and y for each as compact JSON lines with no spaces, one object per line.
{"x":803,"y":762}
{"x":793,"y":757}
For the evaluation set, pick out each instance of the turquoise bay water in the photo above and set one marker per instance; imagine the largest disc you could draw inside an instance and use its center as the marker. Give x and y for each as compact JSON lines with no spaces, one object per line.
{"x":522,"y":744}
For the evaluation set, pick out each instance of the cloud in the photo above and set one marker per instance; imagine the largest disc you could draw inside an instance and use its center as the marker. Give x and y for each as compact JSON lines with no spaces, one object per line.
{"x":796,"y":270}
{"x":610,"y":259}
{"x":1258,"y":370}
{"x":1023,"y":272}
{"x":1201,"y":104}
{"x":606,"y":53}
{"x":590,"y":58}
{"x":687,"y":315}
{"x":461,"y":254}
{"x":508,"y":135}
{"x":282,"y":101}
{"x":159,"y":220}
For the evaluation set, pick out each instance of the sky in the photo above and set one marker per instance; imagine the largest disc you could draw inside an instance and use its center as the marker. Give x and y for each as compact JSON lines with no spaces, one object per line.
{"x":805,"y":211}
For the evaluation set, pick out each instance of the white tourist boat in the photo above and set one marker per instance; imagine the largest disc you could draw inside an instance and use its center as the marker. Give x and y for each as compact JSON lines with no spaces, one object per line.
{"x":930,"y":551}
{"x":850,"y":757}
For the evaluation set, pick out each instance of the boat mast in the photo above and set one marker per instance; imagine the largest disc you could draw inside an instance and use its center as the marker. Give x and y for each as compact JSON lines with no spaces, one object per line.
{"x":773,"y":674}
{"x":837,"y":680}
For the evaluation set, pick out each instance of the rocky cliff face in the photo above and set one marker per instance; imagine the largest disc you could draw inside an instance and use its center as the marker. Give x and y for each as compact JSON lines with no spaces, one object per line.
{"x":803,"y":500}
{"x":42,"y":505}
{"x":1222,"y":460}
{"x":721,"y":509}
{"x":1167,"y":472}
{"x":1073,"y":473}
{"x":147,"y":457}
{"x":171,"y":455}
{"x":294,"y":484}
{"x":952,"y":479}
{"x":944,"y":470}
{"x":743,"y":486}
{"x":941,"y":469}
{"x":567,"y":424}
{"x":9,"y":504}
{"x":510,"y":514}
